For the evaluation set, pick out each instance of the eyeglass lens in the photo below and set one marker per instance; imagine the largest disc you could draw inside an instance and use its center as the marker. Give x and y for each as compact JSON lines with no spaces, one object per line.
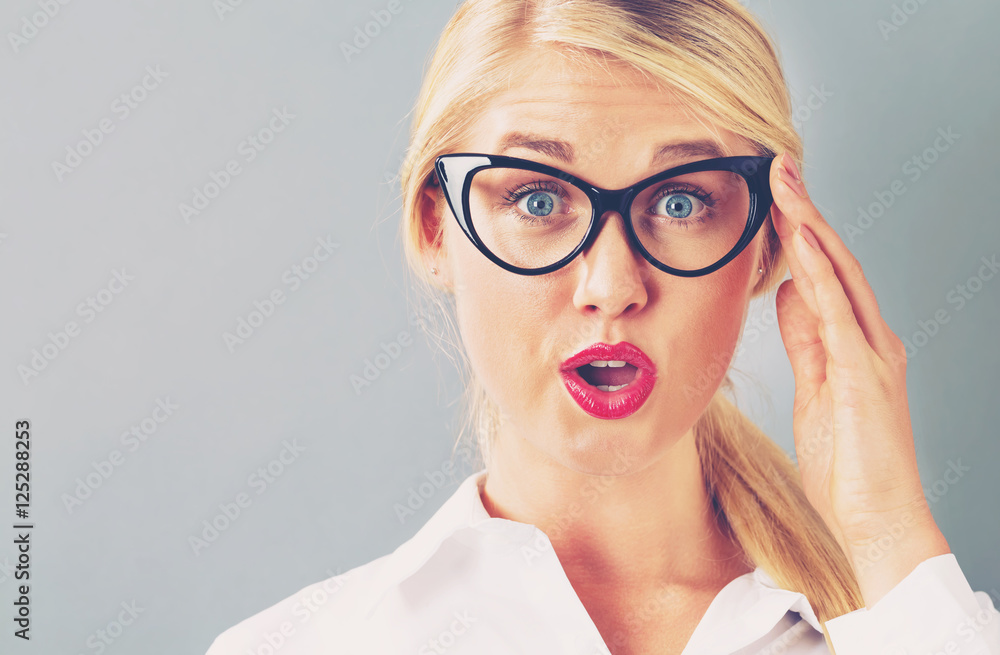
{"x":531,"y":220}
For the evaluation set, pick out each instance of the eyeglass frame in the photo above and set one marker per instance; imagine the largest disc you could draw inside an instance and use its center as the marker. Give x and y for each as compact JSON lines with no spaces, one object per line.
{"x":754,"y":169}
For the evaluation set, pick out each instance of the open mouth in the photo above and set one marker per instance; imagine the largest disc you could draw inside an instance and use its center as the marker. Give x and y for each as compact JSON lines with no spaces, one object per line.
{"x":609,"y":381}
{"x":608,"y":375}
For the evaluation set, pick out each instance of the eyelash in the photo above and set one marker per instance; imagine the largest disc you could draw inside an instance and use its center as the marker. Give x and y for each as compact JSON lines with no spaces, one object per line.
{"x":689,"y":189}
{"x":514,"y":195}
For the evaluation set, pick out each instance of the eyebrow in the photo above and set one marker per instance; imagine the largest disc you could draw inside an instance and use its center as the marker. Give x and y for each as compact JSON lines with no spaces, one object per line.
{"x":564,"y":152}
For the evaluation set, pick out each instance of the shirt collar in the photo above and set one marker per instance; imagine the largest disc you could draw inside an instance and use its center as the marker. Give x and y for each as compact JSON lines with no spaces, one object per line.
{"x":464,"y":510}
{"x":753,"y":599}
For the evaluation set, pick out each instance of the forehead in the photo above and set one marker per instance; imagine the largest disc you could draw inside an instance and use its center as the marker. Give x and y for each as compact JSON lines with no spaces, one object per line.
{"x":584,"y":112}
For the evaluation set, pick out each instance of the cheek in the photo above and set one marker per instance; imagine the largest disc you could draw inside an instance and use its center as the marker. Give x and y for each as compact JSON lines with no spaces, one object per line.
{"x":726,"y":294}
{"x":705,"y":317}
{"x":502,"y":318}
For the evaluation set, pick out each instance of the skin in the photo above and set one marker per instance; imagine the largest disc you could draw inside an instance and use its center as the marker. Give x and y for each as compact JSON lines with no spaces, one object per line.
{"x":588,"y":483}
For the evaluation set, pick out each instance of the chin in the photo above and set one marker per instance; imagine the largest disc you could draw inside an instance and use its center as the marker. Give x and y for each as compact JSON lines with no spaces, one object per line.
{"x":609,"y":448}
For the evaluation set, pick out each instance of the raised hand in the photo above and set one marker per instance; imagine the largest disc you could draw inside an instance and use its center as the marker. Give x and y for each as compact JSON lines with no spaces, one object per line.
{"x":850,"y":418}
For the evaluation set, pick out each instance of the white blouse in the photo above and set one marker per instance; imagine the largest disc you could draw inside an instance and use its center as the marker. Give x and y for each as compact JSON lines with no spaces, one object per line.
{"x":468,"y":583}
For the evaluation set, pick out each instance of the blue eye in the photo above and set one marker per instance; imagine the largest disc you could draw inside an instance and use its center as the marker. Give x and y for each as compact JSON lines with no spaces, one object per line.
{"x":539,"y":203}
{"x":678,"y":206}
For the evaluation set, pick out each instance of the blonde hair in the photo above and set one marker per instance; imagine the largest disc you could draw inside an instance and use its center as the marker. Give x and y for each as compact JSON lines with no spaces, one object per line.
{"x":715,"y":55}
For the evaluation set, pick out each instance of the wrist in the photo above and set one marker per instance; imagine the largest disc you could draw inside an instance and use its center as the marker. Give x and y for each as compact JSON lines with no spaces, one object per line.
{"x":892,"y":546}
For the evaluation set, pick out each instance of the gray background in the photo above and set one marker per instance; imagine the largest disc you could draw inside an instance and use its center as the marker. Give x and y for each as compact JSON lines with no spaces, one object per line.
{"x":329,"y":173}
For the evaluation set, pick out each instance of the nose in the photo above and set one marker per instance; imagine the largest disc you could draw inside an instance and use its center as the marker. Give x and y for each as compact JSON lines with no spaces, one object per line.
{"x":613,"y":275}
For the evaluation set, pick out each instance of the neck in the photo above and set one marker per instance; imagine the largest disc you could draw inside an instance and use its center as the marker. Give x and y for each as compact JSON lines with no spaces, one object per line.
{"x":637,"y":528}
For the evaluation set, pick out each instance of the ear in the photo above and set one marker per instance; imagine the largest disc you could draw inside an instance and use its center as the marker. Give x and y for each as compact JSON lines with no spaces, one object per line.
{"x":432,"y":212}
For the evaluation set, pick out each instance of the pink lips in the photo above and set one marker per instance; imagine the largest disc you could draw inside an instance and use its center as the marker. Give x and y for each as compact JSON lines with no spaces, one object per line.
{"x":610,"y":404}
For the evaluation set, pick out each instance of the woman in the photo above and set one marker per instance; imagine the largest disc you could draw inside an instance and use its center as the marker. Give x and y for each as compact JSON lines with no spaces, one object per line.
{"x":626,"y":506}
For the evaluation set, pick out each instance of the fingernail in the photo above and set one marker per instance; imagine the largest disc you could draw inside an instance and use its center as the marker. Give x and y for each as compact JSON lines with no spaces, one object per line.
{"x":793,"y":179}
{"x":789,"y":164}
{"x":808,"y":235}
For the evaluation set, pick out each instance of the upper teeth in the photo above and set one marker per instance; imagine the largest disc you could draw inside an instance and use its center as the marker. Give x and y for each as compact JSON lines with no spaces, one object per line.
{"x":601,"y":363}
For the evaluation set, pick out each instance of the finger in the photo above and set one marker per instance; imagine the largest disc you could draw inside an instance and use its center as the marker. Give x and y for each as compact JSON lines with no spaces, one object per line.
{"x":799,"y":276}
{"x":798,"y":209}
{"x":799,"y":329}
{"x":846,"y":344}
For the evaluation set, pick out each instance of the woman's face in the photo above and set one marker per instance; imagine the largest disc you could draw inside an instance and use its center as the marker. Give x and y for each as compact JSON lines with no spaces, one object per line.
{"x":519,"y":330}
